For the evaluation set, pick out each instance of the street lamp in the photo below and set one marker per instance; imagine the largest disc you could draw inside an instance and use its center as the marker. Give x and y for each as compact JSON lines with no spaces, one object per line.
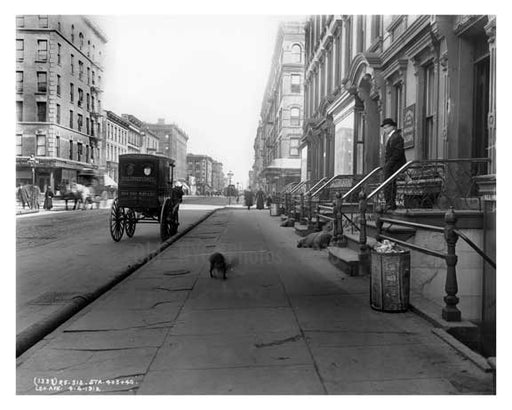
{"x":230,"y":175}
{"x":32,"y":162}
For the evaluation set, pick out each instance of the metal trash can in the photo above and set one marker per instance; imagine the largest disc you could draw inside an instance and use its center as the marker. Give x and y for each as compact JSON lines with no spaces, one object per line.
{"x":390,"y":280}
{"x":274,"y":209}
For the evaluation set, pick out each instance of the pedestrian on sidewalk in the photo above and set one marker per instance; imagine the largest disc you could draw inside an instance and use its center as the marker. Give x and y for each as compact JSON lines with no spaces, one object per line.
{"x":260,"y":199}
{"x":48,"y":201}
{"x":394,"y":159}
{"x":249,"y":198}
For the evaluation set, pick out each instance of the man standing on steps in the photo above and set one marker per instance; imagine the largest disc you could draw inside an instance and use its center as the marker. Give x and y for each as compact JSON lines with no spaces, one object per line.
{"x":394,"y":159}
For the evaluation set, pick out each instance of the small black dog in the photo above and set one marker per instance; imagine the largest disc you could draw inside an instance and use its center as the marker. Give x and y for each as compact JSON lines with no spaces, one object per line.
{"x":218,"y":264}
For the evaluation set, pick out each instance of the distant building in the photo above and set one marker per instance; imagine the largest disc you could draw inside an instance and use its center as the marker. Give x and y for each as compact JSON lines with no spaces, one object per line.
{"x":277,"y":159}
{"x":59,"y":68}
{"x":201,"y":168}
{"x":173,"y":143}
{"x":217,"y":176}
{"x":116,"y":129}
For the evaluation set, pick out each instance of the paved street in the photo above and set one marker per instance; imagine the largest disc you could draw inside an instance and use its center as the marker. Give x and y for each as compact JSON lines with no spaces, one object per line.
{"x":60,"y":255}
{"x":284,"y":322}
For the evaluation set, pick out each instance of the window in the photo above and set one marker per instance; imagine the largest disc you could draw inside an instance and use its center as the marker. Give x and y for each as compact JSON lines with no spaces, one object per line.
{"x":57,"y":146}
{"x":72,"y":64}
{"x":19,"y":110}
{"x":41,"y":82}
{"x":79,"y":152}
{"x":72,"y":33}
{"x":43,"y":21}
{"x":93,"y":78}
{"x":58,"y":113}
{"x":19,"y":138}
{"x":376,"y":25}
{"x":80,"y":122}
{"x":348,"y":46}
{"x":296,"y":53}
{"x":88,"y":48}
{"x":42,"y":50}
{"x":58,"y":85}
{"x":429,"y":142}
{"x":87,"y":126}
{"x":41,"y":111}
{"x":93,"y":52}
{"x":70,"y":149}
{"x":398,"y":103}
{"x":88,"y":101}
{"x":294,"y":146}
{"x":41,"y":145}
{"x":295,"y":83}
{"x":20,"y":46}
{"x":80,"y":70}
{"x":361,"y":33}
{"x":71,"y":119}
{"x":80,"y":97}
{"x":71,"y":92}
{"x":92,"y":127}
{"x":295,"y":116}
{"x":19,"y":81}
{"x":59,"y":50}
{"x":59,"y":28}
{"x":20,"y":21}
{"x":88,"y":75}
{"x":80,"y":41}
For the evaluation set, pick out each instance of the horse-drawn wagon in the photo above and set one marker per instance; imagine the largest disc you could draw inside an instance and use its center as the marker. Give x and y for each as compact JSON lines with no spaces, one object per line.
{"x":145,"y":195}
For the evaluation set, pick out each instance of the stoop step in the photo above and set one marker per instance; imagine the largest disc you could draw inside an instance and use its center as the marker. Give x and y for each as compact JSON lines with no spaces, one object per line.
{"x":345,"y":259}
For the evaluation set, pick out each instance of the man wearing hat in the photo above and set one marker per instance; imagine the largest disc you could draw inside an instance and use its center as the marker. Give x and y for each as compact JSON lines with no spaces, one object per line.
{"x":394,"y":159}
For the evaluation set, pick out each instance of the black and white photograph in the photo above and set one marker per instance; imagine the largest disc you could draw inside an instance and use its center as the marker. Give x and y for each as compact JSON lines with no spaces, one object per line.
{"x":276,"y":200}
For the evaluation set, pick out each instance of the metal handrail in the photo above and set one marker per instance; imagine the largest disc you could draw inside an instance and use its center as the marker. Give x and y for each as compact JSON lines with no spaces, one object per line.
{"x":476,"y":248}
{"x":298,"y":186}
{"x":327,"y":183}
{"x":356,"y":186}
{"x":288,"y":187}
{"x":427,"y":161}
{"x":390,"y":179}
{"x":314,"y":186}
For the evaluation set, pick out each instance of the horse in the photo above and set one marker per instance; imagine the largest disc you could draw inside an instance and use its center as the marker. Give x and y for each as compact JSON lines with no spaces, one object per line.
{"x":77,"y":193}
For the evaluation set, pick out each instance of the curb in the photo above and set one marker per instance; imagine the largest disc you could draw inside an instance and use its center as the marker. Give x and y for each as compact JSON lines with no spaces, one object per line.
{"x":34,"y":333}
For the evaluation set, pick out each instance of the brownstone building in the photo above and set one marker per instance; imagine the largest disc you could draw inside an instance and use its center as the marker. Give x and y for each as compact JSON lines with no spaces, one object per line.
{"x":58,"y":97}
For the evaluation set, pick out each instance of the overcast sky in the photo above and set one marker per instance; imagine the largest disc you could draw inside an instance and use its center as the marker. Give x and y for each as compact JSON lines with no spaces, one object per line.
{"x":206,"y":73}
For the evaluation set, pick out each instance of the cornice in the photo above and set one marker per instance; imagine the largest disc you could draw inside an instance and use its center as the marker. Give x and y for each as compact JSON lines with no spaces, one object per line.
{"x":408,"y":35}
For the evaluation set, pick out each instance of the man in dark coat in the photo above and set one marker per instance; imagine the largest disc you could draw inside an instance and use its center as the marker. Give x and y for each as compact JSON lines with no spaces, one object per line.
{"x":249,"y":198}
{"x":260,"y":199}
{"x":394,"y":159}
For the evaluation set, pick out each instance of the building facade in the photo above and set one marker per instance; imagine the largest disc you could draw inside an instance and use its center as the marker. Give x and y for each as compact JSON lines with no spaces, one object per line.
{"x":217,"y":176}
{"x":276,"y":146}
{"x":173,"y":143}
{"x":200,"y":168}
{"x":116,"y":129}
{"x":435,"y":75}
{"x":59,"y":68}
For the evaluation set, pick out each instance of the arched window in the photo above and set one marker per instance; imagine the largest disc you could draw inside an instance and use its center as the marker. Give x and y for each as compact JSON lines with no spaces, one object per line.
{"x":295,"y":116}
{"x":88,"y":48}
{"x":72,"y":33}
{"x":297,"y":53}
{"x":81,"y":40}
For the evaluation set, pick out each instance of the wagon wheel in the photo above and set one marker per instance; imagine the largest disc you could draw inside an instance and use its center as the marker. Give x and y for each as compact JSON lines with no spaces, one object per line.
{"x":116,"y":221}
{"x":130,"y":222}
{"x":168,"y":220}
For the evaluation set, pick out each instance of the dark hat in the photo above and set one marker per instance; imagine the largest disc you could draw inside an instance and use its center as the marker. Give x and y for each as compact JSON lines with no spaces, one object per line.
{"x":388,"y":121}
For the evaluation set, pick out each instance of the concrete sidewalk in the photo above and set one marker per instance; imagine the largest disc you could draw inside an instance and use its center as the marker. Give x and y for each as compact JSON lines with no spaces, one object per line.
{"x":285,"y":322}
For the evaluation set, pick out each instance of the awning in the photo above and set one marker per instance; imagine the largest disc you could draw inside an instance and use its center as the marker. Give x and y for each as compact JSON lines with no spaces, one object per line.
{"x":109,"y":181}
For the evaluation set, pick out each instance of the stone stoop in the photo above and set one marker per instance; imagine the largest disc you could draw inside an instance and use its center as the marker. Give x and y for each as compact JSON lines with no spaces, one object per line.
{"x":302,"y":230}
{"x":345,"y":259}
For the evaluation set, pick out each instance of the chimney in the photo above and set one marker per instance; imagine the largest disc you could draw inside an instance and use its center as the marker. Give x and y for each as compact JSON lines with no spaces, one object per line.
{"x":161,"y":121}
